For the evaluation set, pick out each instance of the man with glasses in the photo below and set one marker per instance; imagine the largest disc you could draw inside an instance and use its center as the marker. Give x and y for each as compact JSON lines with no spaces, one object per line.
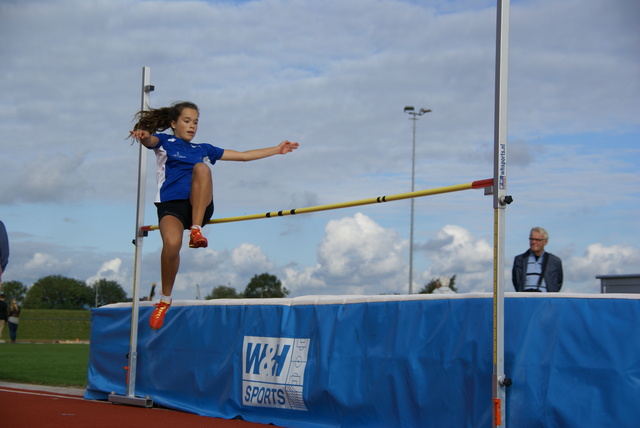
{"x":536,"y":270}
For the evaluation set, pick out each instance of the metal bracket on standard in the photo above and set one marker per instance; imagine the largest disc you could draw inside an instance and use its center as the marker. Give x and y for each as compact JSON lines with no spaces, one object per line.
{"x":131,"y":401}
{"x":506,"y":200}
{"x":504,"y":381}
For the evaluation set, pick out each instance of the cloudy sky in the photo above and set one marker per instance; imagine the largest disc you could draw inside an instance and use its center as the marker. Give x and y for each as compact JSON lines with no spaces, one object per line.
{"x":334,"y":75}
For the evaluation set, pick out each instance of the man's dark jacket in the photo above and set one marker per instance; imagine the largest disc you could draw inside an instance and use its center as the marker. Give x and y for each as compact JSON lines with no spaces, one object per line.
{"x":553,"y":276}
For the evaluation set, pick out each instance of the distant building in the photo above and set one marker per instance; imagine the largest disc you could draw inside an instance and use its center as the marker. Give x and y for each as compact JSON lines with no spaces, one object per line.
{"x":619,"y":283}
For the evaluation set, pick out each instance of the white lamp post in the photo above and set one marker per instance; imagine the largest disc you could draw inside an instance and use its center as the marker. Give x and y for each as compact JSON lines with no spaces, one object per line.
{"x":414,"y":116}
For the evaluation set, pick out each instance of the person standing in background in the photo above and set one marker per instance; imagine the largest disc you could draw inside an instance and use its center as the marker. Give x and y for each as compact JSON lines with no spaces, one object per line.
{"x":14,"y":315}
{"x":536,"y":270}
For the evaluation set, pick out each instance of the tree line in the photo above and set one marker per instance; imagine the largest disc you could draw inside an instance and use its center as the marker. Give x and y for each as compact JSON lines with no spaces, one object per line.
{"x":60,"y":292}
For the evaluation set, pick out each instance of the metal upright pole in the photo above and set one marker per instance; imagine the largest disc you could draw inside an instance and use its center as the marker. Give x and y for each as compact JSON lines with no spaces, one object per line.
{"x":414,"y":116}
{"x":413,"y":188}
{"x":500,"y":201}
{"x":130,"y":398}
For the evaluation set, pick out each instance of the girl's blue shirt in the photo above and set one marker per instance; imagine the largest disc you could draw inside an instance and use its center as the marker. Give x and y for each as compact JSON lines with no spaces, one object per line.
{"x":175,"y":161}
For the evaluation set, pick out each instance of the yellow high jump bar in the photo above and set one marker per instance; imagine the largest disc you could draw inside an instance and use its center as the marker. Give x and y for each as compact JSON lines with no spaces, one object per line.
{"x":419,"y":193}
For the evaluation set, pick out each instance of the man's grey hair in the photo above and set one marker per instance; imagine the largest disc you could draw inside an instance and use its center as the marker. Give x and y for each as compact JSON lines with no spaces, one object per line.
{"x":540,"y":230}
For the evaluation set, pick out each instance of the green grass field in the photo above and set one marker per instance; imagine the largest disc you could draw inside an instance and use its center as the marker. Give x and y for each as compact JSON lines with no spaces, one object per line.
{"x":37,"y":358}
{"x":45,"y":363}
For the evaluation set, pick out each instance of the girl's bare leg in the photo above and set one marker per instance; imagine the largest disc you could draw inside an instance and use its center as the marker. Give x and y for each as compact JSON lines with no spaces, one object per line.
{"x":171,"y":230}
{"x":201,"y":191}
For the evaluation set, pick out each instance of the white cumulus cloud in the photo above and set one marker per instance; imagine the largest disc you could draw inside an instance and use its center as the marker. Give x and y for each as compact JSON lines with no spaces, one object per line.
{"x":45,"y":264}
{"x":359,"y":252}
{"x":599,"y":259}
{"x":110,"y":270}
{"x":455,"y":251}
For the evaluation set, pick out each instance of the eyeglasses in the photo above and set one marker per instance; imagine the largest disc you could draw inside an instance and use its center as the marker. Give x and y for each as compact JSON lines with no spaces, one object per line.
{"x":536,"y":239}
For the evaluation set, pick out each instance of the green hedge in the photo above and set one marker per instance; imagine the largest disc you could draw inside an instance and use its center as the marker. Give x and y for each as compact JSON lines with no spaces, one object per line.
{"x":52,"y":325}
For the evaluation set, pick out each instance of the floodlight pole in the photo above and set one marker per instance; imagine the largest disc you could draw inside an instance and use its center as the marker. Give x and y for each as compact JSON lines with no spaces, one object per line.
{"x":500,"y":200}
{"x":131,"y":398}
{"x":414,"y":116}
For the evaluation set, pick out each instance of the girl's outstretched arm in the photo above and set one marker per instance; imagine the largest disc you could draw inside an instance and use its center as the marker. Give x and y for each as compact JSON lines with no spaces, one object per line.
{"x":249,"y":155}
{"x":145,"y":138}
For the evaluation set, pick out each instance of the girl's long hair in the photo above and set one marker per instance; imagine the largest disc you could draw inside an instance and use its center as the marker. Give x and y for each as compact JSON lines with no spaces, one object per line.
{"x":159,"y":119}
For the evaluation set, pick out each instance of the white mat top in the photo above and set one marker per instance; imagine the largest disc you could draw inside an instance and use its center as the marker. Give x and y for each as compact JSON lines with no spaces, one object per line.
{"x":351,"y":299}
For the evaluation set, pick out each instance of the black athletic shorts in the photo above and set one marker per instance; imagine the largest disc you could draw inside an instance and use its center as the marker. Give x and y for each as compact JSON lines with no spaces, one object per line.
{"x":181,"y":209}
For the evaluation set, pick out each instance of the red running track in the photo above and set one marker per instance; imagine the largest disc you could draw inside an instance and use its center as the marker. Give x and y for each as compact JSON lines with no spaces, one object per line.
{"x":43,"y":407}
